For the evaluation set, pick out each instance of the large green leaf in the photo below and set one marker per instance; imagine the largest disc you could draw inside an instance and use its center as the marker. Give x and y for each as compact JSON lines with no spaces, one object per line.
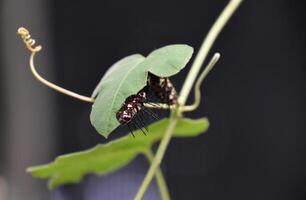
{"x":127,"y":77}
{"x":105,"y":158}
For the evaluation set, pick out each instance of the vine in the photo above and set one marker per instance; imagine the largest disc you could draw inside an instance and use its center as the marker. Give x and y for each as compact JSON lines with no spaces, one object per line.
{"x":177,"y":111}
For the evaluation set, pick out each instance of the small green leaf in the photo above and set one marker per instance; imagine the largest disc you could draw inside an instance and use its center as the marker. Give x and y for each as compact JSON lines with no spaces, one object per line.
{"x":169,"y":60}
{"x":127,"y":77}
{"x":106,"y":158}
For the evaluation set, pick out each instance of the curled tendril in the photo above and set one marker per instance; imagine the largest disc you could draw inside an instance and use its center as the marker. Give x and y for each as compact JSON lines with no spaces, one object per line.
{"x":29,"y":42}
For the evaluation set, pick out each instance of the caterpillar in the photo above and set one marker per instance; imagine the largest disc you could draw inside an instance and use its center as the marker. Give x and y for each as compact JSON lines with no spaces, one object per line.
{"x":163,"y":89}
{"x":132,"y":105}
{"x":131,"y":111}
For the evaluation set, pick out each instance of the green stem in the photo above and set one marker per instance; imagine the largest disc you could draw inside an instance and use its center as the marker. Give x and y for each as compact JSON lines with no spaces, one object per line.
{"x":205,"y":48}
{"x":158,"y":158}
{"x":177,"y":112}
{"x":163,"y":189}
{"x":197,"y":87}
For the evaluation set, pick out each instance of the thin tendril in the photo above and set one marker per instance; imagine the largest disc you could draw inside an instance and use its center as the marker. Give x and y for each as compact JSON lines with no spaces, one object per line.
{"x":197,"y":88}
{"x":29,"y":42}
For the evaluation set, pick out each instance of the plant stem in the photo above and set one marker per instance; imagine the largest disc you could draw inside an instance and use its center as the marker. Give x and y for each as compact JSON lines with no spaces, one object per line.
{"x":163,"y":189}
{"x":197,"y":87}
{"x":177,"y":112}
{"x":158,"y":158}
{"x":205,"y":48}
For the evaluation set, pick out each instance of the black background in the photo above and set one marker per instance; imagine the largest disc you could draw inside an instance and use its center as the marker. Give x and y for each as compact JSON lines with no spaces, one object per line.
{"x":254,"y":98}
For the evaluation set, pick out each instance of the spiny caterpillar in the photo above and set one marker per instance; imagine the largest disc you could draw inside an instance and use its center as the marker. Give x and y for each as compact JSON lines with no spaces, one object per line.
{"x":134,"y":104}
{"x":131,"y":109}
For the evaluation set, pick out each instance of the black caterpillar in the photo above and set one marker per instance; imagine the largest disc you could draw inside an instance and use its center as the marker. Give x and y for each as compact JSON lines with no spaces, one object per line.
{"x":131,"y":107}
{"x":163,"y":89}
{"x":131,"y":110}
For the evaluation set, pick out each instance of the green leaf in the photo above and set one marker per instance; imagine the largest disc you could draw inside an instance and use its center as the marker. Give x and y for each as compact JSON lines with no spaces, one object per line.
{"x":106,"y":158}
{"x":169,"y":60}
{"x":122,"y":80}
{"x":127,"y":77}
{"x":123,"y":64}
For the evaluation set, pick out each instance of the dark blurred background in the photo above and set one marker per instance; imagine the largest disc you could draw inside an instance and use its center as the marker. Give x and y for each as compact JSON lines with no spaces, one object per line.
{"x":254,"y":98}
